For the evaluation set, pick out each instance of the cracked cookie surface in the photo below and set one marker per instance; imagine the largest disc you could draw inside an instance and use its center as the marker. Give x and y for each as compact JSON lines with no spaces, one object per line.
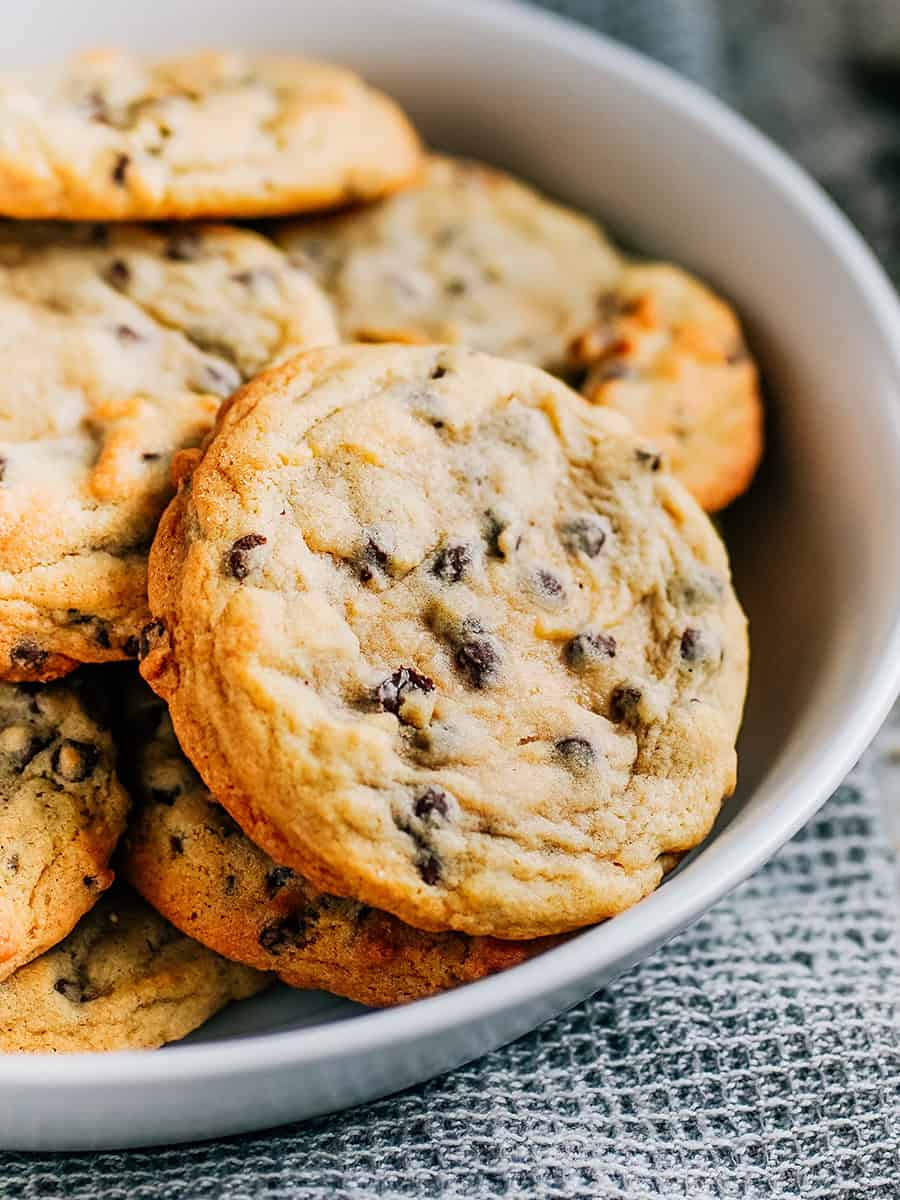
{"x":120,"y":343}
{"x":62,"y":811}
{"x":189,"y":859}
{"x":124,"y":979}
{"x":109,"y":136}
{"x":444,"y":637}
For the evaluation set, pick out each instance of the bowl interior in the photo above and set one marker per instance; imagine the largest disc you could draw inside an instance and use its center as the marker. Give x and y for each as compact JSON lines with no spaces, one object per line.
{"x":816,"y":544}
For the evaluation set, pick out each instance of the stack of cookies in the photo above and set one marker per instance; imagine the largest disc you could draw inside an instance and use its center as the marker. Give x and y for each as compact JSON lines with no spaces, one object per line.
{"x":396,"y":504}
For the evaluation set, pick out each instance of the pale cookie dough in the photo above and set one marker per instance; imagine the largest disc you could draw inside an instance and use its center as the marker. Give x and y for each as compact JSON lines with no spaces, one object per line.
{"x":119,"y":345}
{"x":192,"y":863}
{"x":62,"y":810}
{"x":109,"y":136}
{"x":124,"y":979}
{"x":445,"y":638}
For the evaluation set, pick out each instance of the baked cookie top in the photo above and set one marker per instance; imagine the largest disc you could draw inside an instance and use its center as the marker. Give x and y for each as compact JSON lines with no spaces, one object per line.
{"x":192,"y":863}
{"x":109,"y":136}
{"x":62,"y":810}
{"x":445,"y":638}
{"x":670,"y":356}
{"x":467,"y":254}
{"x":124,"y":979}
{"x":119,"y":343}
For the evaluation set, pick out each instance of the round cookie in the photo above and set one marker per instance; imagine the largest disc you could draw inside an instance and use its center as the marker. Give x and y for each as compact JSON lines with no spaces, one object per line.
{"x":119,"y":344}
{"x":669,"y":355}
{"x":62,"y":810}
{"x":109,"y":136}
{"x":467,"y":254}
{"x":187,"y":857}
{"x":445,"y":638}
{"x":124,"y":979}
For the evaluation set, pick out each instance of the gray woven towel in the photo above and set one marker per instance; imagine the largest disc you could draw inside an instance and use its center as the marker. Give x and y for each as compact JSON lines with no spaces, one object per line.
{"x":758,"y":1054}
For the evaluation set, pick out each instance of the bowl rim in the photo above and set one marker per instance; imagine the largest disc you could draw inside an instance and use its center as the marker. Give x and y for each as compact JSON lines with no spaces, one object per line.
{"x":723,"y":863}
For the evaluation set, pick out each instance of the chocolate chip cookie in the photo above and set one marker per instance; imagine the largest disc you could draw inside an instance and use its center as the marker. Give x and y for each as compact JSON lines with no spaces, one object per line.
{"x":111,"y":136}
{"x":669,"y":355}
{"x":124,"y":979}
{"x":468,"y":254}
{"x":447,"y":639}
{"x":119,"y":344}
{"x":192,"y":862}
{"x":62,"y":810}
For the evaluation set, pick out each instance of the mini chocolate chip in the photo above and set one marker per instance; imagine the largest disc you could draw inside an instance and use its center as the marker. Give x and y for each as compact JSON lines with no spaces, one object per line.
{"x":586,"y":648}
{"x":577,"y":752}
{"x":392,"y":692}
{"x":219,"y":378}
{"x":28,"y":655}
{"x":89,"y":881}
{"x":249,"y":278}
{"x":149,"y":636}
{"x":649,"y":458}
{"x":491,"y":530}
{"x":230,"y":884}
{"x":429,"y":867}
{"x":12,"y":863}
{"x":455,"y":287}
{"x":166,"y":796}
{"x":372,"y":556}
{"x":101,"y":634}
{"x":296,"y":931}
{"x":623,"y":704}
{"x":150,"y":456}
{"x":585,"y":533}
{"x":451,"y":563}
{"x":476,"y":657}
{"x":176,"y":844}
{"x":120,"y":167}
{"x":439,"y":372}
{"x":118,"y":274}
{"x":432,"y":801}
{"x":2,"y":467}
{"x":75,"y":991}
{"x":74,"y":761}
{"x":277,"y":878}
{"x":126,"y":334}
{"x":131,"y":646}
{"x":547,"y":584}
{"x":96,"y":107}
{"x":699,"y":590}
{"x":183,"y":246}
{"x":692,"y":645}
{"x":239,"y":554}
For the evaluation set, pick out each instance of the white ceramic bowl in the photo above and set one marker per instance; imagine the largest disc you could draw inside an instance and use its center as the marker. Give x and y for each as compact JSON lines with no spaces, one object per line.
{"x":816,"y":546}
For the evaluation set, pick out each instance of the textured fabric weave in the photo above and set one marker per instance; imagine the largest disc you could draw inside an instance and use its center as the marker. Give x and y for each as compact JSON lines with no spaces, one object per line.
{"x":755,"y":1057}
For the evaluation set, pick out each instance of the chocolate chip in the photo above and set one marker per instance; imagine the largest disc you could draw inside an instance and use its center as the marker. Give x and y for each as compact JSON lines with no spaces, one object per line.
{"x":126,"y":334}
{"x":119,"y":168}
{"x":429,"y":867}
{"x":577,"y":752}
{"x":118,"y":274}
{"x":2,"y":467}
{"x":693,"y":646}
{"x":649,"y":458}
{"x":257,"y":275}
{"x":74,"y":761}
{"x":219,"y":378}
{"x":451,"y":563}
{"x":455,"y":287}
{"x":183,"y":246}
{"x":373,"y":556}
{"x":491,"y":530}
{"x":392,"y":692}
{"x":276,"y":879}
{"x":585,"y":534}
{"x":476,"y":655}
{"x":230,"y":885}
{"x":89,"y":881}
{"x":439,"y":372}
{"x":149,"y":636}
{"x":176,"y":844}
{"x":239,"y":554}
{"x":150,"y":456}
{"x":76,"y":991}
{"x":699,"y":590}
{"x":293,"y":931}
{"x":12,"y":864}
{"x":101,"y":634}
{"x":131,"y":646}
{"x":28,"y":656}
{"x":623,"y":705}
{"x":96,"y":107}
{"x":546,"y":584}
{"x":587,"y":648}
{"x":432,"y":802}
